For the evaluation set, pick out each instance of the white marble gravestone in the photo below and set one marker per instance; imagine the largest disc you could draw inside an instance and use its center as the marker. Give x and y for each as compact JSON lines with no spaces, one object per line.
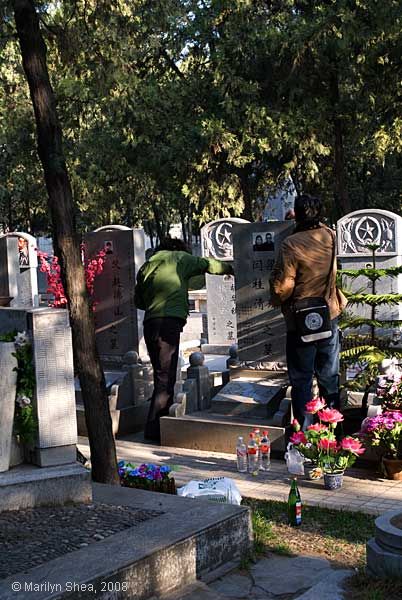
{"x":217,"y":242}
{"x":357,"y":230}
{"x":27,"y":279}
{"x":260,"y":327}
{"x":54,"y":401}
{"x":118,"y":322}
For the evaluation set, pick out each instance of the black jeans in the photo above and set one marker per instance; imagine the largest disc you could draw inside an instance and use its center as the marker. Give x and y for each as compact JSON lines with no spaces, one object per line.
{"x":306,"y":360}
{"x":162,"y":337}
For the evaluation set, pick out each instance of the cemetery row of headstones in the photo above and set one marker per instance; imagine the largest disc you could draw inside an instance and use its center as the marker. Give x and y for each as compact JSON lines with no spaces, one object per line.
{"x":238,"y":307}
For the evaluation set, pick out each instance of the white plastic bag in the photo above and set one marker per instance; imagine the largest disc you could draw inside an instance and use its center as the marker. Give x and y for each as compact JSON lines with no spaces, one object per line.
{"x":294,"y":460}
{"x":218,"y":489}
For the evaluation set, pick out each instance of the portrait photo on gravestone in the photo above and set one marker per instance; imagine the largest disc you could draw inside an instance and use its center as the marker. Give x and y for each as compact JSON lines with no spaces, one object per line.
{"x":264,"y":242}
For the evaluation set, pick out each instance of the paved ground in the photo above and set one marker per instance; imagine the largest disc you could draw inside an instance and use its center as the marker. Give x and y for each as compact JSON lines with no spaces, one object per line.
{"x":273,"y":577}
{"x":362,"y":490}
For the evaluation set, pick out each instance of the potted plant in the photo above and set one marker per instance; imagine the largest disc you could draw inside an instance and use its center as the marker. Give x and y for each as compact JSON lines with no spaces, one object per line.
{"x":335,"y":457}
{"x":307,"y":441}
{"x":385,"y":433}
{"x":319,"y":444}
{"x":148,"y":477}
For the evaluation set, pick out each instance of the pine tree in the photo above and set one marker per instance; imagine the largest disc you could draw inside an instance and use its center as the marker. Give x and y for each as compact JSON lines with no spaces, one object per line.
{"x":368,"y":340}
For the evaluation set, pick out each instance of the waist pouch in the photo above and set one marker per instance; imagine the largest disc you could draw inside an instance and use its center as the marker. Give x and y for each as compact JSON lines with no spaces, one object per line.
{"x":312,"y":319}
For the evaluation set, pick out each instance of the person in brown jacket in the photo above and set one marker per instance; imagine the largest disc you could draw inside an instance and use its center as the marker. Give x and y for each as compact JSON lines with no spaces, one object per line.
{"x":302,"y":270}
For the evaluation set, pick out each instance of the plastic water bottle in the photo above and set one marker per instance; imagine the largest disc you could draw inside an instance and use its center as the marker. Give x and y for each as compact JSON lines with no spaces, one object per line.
{"x":257,"y":435}
{"x":265,"y":452}
{"x":252,"y":455}
{"x":241,"y":451}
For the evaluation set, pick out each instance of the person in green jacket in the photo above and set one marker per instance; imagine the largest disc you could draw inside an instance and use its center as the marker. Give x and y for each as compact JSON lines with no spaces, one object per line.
{"x":162,"y":291}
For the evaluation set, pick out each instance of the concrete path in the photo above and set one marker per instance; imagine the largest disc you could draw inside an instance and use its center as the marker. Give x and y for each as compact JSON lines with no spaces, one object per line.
{"x":274,"y":577}
{"x":362,"y":490}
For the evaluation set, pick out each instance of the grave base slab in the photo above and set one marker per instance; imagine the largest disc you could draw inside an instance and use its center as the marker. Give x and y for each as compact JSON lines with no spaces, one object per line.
{"x":187,"y":541}
{"x":27,"y":486}
{"x":216,"y":433}
{"x":127,"y":420}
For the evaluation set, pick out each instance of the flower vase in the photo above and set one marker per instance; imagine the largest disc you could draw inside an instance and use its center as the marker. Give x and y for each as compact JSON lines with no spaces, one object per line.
{"x":393,"y":468}
{"x":333,"y":481}
{"x":8,"y":386}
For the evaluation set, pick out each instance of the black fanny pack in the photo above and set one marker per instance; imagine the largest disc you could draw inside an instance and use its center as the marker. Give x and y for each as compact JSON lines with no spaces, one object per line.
{"x":312,"y":315}
{"x":312,"y":319}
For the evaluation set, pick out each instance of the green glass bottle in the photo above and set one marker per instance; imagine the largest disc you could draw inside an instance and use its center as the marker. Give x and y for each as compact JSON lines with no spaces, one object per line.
{"x":294,"y":505}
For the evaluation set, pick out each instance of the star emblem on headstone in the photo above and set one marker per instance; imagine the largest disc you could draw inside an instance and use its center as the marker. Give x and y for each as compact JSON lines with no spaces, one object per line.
{"x":224,"y":235}
{"x":366,"y":232}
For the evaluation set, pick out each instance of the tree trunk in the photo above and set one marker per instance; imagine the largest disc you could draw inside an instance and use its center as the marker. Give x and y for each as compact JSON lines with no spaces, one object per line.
{"x":247,"y":196}
{"x":66,"y":243}
{"x":341,"y":190}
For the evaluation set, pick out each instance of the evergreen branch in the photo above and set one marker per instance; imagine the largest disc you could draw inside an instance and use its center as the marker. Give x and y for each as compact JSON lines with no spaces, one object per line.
{"x":355,"y":352}
{"x":370,"y":273}
{"x":374,"y":299}
{"x":354,"y":322}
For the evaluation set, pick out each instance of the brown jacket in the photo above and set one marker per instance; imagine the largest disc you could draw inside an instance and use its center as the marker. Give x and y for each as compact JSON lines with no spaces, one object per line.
{"x":301,"y":271}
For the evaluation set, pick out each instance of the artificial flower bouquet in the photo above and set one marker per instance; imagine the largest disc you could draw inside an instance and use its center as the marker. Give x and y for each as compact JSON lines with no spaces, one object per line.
{"x":319,"y":444}
{"x":147,"y":477}
{"x":384,"y":432}
{"x":389,"y":390}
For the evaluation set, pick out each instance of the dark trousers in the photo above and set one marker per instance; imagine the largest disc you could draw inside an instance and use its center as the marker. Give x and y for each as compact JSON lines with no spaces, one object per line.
{"x":306,"y":360}
{"x":162,"y":337}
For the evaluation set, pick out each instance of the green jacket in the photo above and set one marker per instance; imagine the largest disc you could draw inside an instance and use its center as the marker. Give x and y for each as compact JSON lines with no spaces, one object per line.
{"x":162,"y":282}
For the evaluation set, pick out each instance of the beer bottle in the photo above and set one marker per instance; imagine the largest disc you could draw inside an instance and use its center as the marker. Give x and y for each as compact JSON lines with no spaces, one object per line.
{"x":294,"y":505}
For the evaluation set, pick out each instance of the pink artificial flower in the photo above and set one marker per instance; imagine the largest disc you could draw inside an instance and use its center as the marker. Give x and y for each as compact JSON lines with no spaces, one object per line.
{"x":314,"y":406}
{"x":352,"y":445}
{"x":327,"y":445}
{"x":330,"y":415}
{"x":317,"y":427}
{"x":298,"y":438}
{"x":296,"y":425}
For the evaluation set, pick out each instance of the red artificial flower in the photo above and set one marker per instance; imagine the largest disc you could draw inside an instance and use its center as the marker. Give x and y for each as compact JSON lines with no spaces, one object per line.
{"x":327,"y":445}
{"x":298,"y":438}
{"x":296,"y":425}
{"x":314,"y":406}
{"x":330,"y":415}
{"x":352,"y":445}
{"x":317,"y":427}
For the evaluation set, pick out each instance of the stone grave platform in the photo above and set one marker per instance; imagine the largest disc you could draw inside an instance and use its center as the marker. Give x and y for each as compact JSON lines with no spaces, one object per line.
{"x":29,"y":486}
{"x":170,"y":543}
{"x":251,"y":399}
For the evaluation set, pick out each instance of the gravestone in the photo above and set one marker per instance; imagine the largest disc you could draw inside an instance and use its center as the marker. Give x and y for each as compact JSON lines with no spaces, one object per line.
{"x":217,"y":242}
{"x":355,"y":232}
{"x":26,"y":276}
{"x":9,"y":268}
{"x":260,"y":327}
{"x":118,"y":322}
{"x":45,"y":244}
{"x":280,"y":201}
{"x":54,"y":400}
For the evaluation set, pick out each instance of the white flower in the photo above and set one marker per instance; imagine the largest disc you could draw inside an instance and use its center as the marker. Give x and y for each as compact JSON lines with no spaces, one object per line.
{"x":21,"y":339}
{"x":23,"y":401}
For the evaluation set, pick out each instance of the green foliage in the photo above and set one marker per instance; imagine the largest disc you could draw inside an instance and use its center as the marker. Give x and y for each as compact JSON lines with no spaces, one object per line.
{"x":25,"y":423}
{"x":364,"y":345}
{"x":8,"y":337}
{"x":185,"y":111}
{"x":374,"y":299}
